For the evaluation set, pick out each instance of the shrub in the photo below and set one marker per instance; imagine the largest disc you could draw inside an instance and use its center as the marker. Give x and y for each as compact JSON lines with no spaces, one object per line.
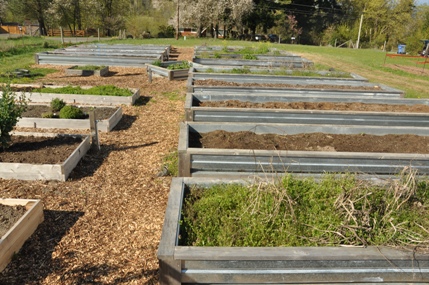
{"x":11,"y":109}
{"x":48,"y":115}
{"x":57,"y":104}
{"x":71,"y":112}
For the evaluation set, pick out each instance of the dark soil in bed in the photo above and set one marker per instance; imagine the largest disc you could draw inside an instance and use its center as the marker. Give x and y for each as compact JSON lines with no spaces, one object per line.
{"x":312,"y":142}
{"x":36,"y":111}
{"x":39,"y":150}
{"x":417,"y":108}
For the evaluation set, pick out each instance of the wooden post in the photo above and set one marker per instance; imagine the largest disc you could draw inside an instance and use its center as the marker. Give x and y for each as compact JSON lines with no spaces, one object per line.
{"x":94,"y":132}
{"x":62,"y":35}
{"x":149,"y":75}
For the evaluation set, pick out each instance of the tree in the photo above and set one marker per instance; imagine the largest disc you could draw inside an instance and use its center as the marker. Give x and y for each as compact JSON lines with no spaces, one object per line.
{"x":204,"y":14}
{"x":66,"y":13}
{"x":31,"y":9}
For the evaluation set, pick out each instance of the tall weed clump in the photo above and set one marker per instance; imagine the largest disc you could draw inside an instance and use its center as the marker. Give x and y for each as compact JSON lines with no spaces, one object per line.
{"x":11,"y":109}
{"x":339,"y":210}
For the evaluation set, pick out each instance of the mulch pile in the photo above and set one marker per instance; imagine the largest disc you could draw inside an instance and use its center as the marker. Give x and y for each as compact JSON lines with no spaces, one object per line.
{"x":103,"y":225}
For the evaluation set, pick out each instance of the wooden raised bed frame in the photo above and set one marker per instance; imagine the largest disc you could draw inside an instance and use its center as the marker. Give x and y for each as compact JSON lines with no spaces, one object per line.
{"x":60,"y":172}
{"x":13,"y":240}
{"x":82,"y":124}
{"x":177,"y":74}
{"x":73,"y":71}
{"x":278,"y":265}
{"x":78,"y":98}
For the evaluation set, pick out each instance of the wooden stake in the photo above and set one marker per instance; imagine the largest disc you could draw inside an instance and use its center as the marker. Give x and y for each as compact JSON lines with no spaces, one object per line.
{"x":94,"y":132}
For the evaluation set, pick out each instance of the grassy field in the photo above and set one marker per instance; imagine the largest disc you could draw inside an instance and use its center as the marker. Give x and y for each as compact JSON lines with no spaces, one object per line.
{"x":372,"y":64}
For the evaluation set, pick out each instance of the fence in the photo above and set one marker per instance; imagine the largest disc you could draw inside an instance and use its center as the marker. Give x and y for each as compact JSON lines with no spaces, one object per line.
{"x":66,"y":33}
{"x":16,"y":30}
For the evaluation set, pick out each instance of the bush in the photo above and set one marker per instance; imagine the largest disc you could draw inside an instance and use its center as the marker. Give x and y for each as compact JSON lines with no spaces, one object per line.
{"x":57,"y":104}
{"x":71,"y":112}
{"x":11,"y":109}
{"x":48,"y":115}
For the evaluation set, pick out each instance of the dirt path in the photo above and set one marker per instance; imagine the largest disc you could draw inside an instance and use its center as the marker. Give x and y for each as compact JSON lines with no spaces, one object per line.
{"x":103,"y":225}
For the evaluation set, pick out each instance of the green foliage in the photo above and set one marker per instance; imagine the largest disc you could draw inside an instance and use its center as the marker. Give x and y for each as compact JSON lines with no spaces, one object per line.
{"x":244,"y":70}
{"x":48,"y":115}
{"x":180,"y":65}
{"x":338,"y":210}
{"x":157,"y":62}
{"x":173,"y":95}
{"x":57,"y":104}
{"x":106,"y":90}
{"x":250,"y":56}
{"x":171,"y":162}
{"x":11,"y":109}
{"x":71,"y":112}
{"x":166,"y":31}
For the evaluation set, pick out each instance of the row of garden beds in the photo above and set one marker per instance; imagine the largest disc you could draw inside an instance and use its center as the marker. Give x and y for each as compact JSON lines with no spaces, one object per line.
{"x":21,"y":217}
{"x":220,"y":110}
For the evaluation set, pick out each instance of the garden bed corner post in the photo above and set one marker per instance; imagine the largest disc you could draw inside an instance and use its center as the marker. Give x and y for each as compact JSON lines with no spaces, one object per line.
{"x":94,"y":132}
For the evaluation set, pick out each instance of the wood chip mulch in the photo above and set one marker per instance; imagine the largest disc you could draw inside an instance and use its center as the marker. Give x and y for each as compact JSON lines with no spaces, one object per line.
{"x":103,"y":225}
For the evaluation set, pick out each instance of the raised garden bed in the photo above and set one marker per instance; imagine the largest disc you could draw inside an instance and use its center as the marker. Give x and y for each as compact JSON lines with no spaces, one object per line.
{"x":82,"y":71}
{"x":12,"y":241}
{"x":100,"y":54}
{"x":276,"y":109}
{"x":287,"y":62}
{"x":309,"y":156}
{"x":198,"y":68}
{"x":107,"y":118}
{"x":277,"y":265}
{"x":42,"y":156}
{"x":93,"y":100}
{"x":207,"y":87}
{"x":163,"y":70}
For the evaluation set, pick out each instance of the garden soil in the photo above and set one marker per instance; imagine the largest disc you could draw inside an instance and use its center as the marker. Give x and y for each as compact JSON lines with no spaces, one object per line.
{"x":103,"y":225}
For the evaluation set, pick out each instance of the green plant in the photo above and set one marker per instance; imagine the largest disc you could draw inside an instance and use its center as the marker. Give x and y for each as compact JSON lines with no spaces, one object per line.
{"x":57,"y":104}
{"x":107,"y":90}
{"x":171,"y":163}
{"x":249,"y":56}
{"x":180,"y":65}
{"x":71,"y":112}
{"x":338,"y":210}
{"x":217,"y":55}
{"x":11,"y":109}
{"x":48,"y":115}
{"x":157,"y":62}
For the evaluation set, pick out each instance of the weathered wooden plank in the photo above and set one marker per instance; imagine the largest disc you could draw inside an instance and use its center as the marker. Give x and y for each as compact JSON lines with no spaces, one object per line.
{"x":60,"y":172}
{"x":170,"y":268}
{"x":13,"y":240}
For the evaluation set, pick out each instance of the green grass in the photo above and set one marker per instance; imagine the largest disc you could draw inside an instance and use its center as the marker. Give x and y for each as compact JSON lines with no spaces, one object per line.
{"x":105,"y":90}
{"x":19,"y":54}
{"x":339,"y":210}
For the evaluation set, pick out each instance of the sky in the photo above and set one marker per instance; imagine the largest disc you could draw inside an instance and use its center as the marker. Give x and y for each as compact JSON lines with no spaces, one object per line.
{"x":422,"y":2}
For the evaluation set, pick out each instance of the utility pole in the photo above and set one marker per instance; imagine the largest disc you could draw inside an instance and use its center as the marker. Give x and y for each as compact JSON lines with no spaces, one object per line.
{"x":177,"y":28}
{"x":360,"y":27}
